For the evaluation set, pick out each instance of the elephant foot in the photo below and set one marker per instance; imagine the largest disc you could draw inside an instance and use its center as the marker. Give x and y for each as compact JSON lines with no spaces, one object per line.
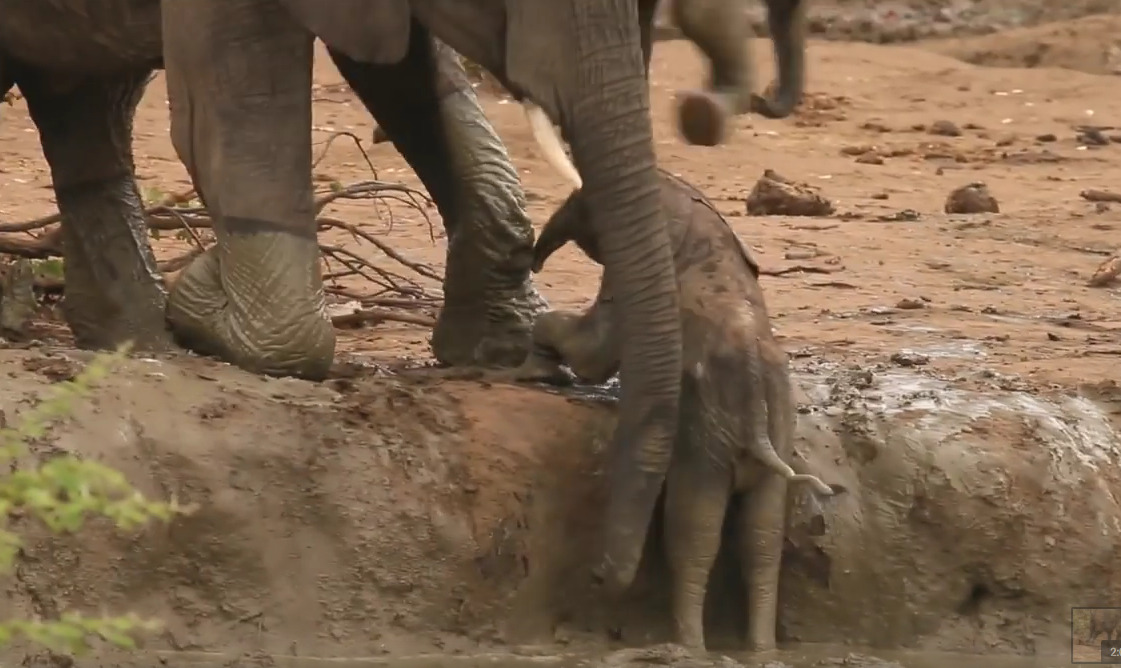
{"x":264,"y":319}
{"x":703,"y":117}
{"x":493,"y":331}
{"x":113,"y":290}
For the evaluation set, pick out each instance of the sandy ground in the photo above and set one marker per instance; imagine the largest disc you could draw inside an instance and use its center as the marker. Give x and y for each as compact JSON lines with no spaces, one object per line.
{"x":1005,"y":290}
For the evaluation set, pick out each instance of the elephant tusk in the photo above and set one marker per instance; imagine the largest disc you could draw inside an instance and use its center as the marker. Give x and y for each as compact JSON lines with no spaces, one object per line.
{"x":550,"y":142}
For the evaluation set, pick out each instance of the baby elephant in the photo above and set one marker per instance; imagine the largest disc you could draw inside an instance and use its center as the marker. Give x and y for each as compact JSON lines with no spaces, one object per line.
{"x":737,"y":408}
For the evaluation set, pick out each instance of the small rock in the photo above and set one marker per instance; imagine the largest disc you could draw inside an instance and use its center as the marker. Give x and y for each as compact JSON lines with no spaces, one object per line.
{"x":880,"y":196}
{"x":774,"y":195}
{"x":972,"y":198}
{"x":909,"y":304}
{"x":1051,"y":336}
{"x":1092,"y":137}
{"x":1047,"y":137}
{"x":870,"y":159}
{"x":910,"y":359}
{"x":944,"y":129}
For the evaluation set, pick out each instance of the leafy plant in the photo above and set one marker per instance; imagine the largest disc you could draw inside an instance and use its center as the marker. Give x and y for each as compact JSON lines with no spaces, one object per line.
{"x":51,"y":267}
{"x":62,"y":493}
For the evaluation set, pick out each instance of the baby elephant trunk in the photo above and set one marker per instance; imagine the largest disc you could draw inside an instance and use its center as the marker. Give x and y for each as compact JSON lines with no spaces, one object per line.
{"x":569,"y":223}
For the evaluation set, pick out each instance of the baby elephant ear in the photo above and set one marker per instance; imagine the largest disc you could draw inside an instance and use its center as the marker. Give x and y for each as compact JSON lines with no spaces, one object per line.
{"x":558,"y":230}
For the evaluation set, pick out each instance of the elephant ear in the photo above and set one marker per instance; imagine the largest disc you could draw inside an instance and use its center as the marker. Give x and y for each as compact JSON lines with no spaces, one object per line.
{"x":368,"y":31}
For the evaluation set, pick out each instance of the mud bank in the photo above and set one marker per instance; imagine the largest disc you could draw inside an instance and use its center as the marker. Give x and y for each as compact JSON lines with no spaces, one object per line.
{"x":385,"y":516}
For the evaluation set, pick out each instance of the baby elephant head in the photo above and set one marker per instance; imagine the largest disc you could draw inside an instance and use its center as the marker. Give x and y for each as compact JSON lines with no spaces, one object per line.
{"x":571,"y":222}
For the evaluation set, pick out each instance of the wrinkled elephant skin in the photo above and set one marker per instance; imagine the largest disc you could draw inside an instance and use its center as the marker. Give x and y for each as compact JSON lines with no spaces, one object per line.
{"x":238,"y":79}
{"x":737,"y":412}
{"x":242,"y":132}
{"x":256,"y":298}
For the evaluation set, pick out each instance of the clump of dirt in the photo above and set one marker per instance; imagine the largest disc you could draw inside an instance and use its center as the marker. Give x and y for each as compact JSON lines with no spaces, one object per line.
{"x":971,"y":198}
{"x":776,"y":195}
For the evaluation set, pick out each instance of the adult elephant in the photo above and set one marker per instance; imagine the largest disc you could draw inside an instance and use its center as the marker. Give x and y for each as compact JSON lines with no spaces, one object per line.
{"x":239,"y":77}
{"x":83,"y":70}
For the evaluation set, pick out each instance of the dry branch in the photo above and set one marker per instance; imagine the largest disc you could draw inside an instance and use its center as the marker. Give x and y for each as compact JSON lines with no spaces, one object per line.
{"x":174,"y":212}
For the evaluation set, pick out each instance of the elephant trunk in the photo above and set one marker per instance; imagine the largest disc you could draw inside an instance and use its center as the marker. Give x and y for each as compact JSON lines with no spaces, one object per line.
{"x":609,"y":128}
{"x":786,"y":19}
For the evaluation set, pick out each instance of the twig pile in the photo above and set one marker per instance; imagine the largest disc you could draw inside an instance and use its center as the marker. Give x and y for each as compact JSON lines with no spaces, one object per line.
{"x":396,"y":291}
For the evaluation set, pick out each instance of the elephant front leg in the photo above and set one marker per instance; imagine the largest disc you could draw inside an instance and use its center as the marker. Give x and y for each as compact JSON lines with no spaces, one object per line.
{"x":762,"y":521}
{"x":721,"y":30}
{"x":698,"y":488}
{"x":113,"y":289}
{"x":427,"y":107}
{"x":239,"y":82}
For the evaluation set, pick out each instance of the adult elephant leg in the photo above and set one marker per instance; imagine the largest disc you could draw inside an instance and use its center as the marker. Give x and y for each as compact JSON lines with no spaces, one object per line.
{"x":720,"y":29}
{"x":113,"y":289}
{"x":239,"y":82}
{"x":787,"y":22}
{"x":762,"y":522}
{"x":428,"y":109}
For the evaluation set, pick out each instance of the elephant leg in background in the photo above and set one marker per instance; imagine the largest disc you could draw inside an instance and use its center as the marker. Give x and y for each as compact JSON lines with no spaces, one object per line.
{"x":239,"y":82}
{"x":698,"y":488}
{"x":721,"y":30}
{"x":427,"y":107}
{"x":114,"y":292}
{"x":762,"y":522}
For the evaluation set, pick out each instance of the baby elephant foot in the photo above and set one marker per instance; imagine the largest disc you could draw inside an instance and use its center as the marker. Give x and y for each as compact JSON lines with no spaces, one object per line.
{"x":703,"y":117}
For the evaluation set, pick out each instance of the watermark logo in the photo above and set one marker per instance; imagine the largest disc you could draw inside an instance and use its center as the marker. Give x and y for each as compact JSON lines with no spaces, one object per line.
{"x":1095,"y":635}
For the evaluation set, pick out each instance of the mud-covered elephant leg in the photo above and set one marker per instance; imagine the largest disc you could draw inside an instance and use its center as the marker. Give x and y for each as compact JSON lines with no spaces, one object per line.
{"x":239,"y":76}
{"x":762,"y":522}
{"x":427,"y":107}
{"x":113,"y":288}
{"x":698,"y":488}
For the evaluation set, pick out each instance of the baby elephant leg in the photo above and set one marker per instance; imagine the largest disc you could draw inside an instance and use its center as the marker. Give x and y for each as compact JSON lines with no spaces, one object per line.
{"x":761,"y":524}
{"x":697,"y":492}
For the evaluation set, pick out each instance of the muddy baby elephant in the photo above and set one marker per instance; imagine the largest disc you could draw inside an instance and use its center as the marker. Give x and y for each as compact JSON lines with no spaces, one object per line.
{"x":1106,"y":623}
{"x":737,"y":413}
